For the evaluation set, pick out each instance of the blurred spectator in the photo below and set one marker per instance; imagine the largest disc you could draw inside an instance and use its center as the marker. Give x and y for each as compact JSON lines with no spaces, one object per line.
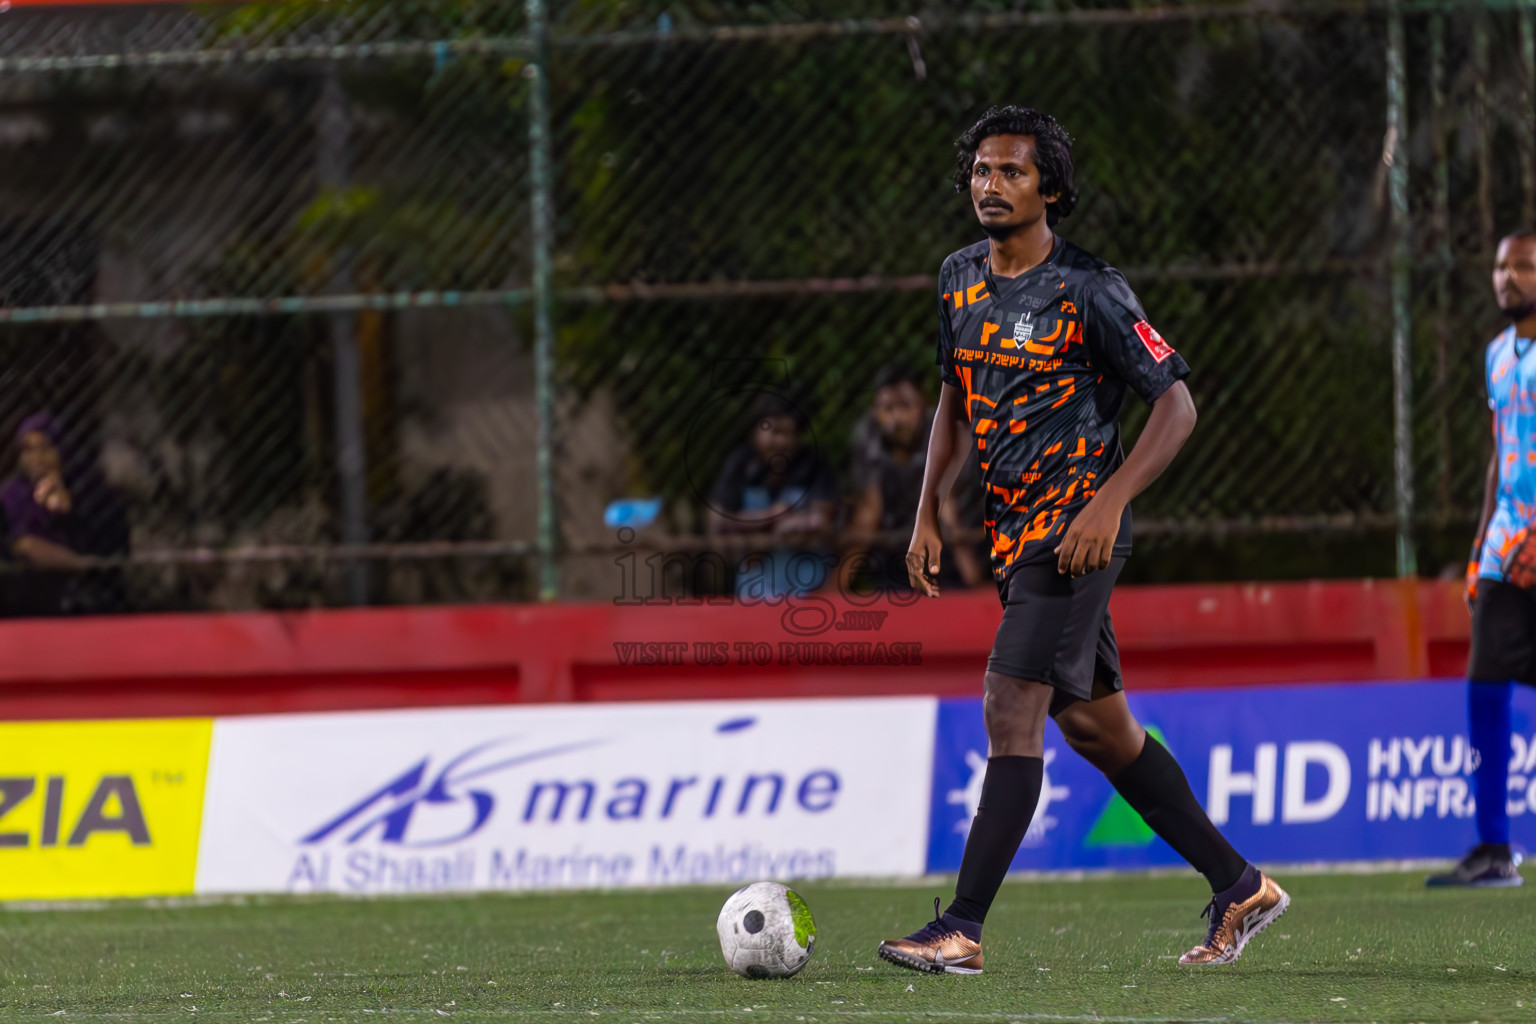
{"x":60,"y":511}
{"x":776,"y":484}
{"x":889,"y":453}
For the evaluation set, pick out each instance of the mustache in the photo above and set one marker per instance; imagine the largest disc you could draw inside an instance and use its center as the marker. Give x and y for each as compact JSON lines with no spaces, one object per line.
{"x":993,"y":202}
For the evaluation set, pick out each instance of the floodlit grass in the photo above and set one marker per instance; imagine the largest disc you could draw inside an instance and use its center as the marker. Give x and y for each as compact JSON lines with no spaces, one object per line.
{"x":1352,"y":948}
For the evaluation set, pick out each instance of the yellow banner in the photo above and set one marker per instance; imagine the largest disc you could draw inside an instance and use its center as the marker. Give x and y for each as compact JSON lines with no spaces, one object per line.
{"x":101,"y":808}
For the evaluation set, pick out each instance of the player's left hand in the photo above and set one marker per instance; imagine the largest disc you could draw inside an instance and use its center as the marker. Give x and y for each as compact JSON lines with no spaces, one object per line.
{"x":1090,"y":540}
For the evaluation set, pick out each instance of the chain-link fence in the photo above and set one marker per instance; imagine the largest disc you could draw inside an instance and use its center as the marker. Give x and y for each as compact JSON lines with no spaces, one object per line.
{"x":274,"y":271}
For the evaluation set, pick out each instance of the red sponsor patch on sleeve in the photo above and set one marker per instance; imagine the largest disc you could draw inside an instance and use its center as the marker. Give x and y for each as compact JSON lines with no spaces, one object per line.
{"x":1159,"y":348}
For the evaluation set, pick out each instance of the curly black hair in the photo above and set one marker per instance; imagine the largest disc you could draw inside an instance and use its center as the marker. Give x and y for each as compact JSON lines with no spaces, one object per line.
{"x":1053,"y":153}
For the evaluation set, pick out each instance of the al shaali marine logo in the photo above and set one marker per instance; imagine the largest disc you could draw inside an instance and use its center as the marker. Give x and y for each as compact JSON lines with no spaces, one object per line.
{"x":451,"y":810}
{"x":429,"y":806}
{"x":970,"y":798}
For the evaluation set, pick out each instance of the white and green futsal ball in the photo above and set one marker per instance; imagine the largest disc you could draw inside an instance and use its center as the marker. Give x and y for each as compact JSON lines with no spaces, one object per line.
{"x":766,"y":931}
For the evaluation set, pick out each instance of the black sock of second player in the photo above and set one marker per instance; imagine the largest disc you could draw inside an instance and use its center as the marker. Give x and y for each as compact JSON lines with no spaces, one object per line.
{"x":1009,"y":793}
{"x":1156,"y":787}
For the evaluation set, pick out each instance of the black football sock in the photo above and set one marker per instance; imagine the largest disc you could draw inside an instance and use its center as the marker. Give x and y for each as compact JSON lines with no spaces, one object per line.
{"x":1155,"y":786}
{"x":1009,"y":793}
{"x":1246,"y":885}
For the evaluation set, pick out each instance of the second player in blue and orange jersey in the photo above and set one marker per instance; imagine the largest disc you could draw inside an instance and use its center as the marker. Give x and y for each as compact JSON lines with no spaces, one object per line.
{"x":1511,"y":381}
{"x":1503,"y":608}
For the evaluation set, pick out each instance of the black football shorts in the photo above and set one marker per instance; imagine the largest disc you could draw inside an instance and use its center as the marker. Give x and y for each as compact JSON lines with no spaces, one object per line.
{"x":1503,"y":634}
{"x":1056,"y":631}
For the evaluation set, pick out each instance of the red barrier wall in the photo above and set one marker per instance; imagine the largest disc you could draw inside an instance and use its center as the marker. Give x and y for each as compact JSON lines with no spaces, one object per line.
{"x":333,"y":660}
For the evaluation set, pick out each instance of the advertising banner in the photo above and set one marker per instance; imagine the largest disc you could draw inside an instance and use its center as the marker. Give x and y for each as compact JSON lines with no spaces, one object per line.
{"x":567,"y":796}
{"x":100,"y":808}
{"x":589,"y":796}
{"x":1362,"y":771}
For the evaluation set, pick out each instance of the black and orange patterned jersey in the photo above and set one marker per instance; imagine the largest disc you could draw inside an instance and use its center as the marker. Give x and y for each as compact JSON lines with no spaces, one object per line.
{"x":1043,"y":361}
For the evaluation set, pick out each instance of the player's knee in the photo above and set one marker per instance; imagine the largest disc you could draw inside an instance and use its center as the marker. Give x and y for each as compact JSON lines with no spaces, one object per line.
{"x":1085,"y":739}
{"x":1106,"y":745}
{"x":1081,"y":726}
{"x":1119,"y":750}
{"x":1078,"y":732}
{"x":1001,"y":710}
{"x":1014,"y":712}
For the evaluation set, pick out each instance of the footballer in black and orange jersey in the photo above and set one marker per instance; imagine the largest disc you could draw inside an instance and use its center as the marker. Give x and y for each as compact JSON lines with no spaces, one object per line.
{"x":1043,"y":361}
{"x":1038,"y":344}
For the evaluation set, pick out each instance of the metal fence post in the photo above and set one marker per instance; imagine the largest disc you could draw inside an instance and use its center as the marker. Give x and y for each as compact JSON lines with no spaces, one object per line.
{"x":541,"y":210}
{"x":1481,"y":125}
{"x":1396,"y":156}
{"x":331,"y":157}
{"x":1444,"y":266}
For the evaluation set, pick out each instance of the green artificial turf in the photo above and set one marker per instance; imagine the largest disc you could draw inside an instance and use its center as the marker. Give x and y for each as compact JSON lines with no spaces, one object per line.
{"x":1352,"y":948}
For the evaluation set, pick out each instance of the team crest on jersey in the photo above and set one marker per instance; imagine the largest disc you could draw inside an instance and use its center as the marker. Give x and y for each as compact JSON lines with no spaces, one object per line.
{"x":1023,"y":328}
{"x":1159,"y":348}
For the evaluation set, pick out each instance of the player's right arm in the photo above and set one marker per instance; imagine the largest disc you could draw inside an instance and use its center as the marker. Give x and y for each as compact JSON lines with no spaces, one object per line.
{"x":947,"y":450}
{"x":948,"y":444}
{"x":1490,"y":502}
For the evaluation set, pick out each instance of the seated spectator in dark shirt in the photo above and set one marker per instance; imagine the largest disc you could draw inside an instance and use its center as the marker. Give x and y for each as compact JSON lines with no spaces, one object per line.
{"x":889,"y":454}
{"x":58,"y":514}
{"x":775,"y":484}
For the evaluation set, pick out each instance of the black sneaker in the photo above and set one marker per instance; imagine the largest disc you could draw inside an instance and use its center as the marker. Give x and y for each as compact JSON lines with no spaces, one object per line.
{"x":1489,"y":865}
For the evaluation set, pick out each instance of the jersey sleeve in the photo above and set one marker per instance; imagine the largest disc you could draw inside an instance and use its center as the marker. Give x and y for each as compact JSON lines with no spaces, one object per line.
{"x":945,"y":356}
{"x":1120,"y":338}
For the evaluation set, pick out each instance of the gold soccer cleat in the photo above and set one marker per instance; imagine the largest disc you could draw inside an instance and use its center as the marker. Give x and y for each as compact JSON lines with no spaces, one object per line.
{"x":1237,"y":922}
{"x":935,"y":948}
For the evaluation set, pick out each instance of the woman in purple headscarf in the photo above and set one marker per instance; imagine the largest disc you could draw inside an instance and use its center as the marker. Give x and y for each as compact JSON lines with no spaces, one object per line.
{"x":58,"y":514}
